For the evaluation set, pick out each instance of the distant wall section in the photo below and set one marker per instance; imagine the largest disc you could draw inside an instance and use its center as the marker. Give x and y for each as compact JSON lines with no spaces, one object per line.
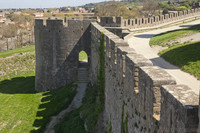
{"x":147,"y":22}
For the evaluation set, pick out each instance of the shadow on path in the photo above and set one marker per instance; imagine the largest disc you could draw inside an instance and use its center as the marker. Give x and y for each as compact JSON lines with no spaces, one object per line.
{"x":145,"y":35}
{"x":159,"y":61}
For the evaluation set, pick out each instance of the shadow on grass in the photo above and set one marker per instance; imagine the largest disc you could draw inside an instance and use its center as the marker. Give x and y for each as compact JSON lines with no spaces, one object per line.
{"x":182,"y":54}
{"x":187,"y":27}
{"x":18,"y":85}
{"x":52,"y":102}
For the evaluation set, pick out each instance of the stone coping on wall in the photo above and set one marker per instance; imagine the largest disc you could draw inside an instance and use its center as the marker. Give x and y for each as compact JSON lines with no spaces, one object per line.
{"x":158,"y":76}
{"x":139,"y":60}
{"x":182,"y":94}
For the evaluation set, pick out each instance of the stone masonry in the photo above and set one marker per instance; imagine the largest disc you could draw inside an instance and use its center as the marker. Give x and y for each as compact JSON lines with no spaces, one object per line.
{"x":139,"y":97}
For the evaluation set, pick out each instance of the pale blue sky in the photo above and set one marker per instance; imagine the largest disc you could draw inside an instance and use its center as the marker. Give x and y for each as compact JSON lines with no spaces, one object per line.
{"x":43,"y":3}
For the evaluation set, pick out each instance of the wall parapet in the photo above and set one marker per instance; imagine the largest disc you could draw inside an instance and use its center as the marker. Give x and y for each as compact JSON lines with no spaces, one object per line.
{"x":145,"y":91}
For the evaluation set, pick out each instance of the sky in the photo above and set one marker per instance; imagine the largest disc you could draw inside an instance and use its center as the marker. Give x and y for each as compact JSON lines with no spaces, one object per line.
{"x":43,"y":3}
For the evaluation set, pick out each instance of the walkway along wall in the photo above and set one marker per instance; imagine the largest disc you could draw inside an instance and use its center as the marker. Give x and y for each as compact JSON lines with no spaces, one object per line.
{"x":147,"y":22}
{"x":140,"y":97}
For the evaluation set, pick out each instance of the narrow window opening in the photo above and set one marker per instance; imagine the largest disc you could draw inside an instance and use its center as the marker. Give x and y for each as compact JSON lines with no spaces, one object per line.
{"x":129,"y":22}
{"x":136,"y":79}
{"x":156,"y":103}
{"x":124,"y":65}
{"x":115,"y":55}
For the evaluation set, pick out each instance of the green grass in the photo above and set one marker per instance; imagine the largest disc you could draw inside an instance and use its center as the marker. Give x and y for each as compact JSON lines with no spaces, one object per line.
{"x":71,"y":123}
{"x":83,"y":56}
{"x":89,"y":112}
{"x":22,"y":109}
{"x":164,"y":39}
{"x":17,"y":66}
{"x":18,"y":51}
{"x":186,"y":56}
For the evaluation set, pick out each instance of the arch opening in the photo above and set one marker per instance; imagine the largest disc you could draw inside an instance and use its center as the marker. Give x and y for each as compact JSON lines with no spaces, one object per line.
{"x":83,"y":57}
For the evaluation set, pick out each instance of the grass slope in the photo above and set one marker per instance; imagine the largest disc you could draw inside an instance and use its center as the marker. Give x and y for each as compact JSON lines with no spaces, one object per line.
{"x":17,"y":51}
{"x":186,"y":56}
{"x":89,"y":112}
{"x":164,"y":39}
{"x":22,"y":109}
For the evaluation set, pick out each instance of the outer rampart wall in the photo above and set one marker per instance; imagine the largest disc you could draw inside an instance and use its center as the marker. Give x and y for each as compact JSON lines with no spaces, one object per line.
{"x":140,"y":97}
{"x":147,"y":22}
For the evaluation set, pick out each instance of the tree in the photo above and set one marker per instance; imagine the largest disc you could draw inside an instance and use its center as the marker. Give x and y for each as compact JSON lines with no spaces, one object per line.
{"x":150,"y":7}
{"x":114,"y":8}
{"x":8,"y":31}
{"x":165,"y":11}
{"x":29,"y":11}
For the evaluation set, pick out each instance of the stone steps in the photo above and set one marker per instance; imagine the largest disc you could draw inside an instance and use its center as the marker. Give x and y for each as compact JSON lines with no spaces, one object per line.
{"x":83,"y":75}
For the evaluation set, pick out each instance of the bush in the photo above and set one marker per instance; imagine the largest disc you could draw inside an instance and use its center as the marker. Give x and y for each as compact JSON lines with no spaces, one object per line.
{"x":165,"y":11}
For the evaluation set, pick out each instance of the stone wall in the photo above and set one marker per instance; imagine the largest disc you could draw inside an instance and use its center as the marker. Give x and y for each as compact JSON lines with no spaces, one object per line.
{"x":58,"y":44}
{"x":147,"y":22}
{"x":140,"y":97}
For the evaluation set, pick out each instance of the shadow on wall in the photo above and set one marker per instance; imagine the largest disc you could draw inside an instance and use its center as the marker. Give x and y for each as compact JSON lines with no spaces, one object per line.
{"x":72,"y":60}
{"x":65,"y":71}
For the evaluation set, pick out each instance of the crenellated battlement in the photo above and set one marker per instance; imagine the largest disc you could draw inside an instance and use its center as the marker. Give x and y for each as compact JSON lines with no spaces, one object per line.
{"x":59,"y":23}
{"x":148,"y":22}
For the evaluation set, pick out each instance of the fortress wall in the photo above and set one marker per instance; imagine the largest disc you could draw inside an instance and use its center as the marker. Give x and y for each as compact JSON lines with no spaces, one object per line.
{"x":152,"y":21}
{"x":180,"y":110}
{"x":57,"y":47}
{"x":141,"y":97}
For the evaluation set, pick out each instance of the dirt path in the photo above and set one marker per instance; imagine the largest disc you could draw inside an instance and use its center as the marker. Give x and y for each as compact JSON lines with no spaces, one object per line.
{"x":76,"y":103}
{"x":140,"y":42}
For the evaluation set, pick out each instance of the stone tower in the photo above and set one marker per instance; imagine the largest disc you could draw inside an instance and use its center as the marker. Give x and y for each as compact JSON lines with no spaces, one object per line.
{"x":58,"y":44}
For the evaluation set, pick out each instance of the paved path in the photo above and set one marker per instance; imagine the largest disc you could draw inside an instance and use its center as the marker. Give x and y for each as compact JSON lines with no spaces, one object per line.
{"x":76,"y":103}
{"x":140,"y":42}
